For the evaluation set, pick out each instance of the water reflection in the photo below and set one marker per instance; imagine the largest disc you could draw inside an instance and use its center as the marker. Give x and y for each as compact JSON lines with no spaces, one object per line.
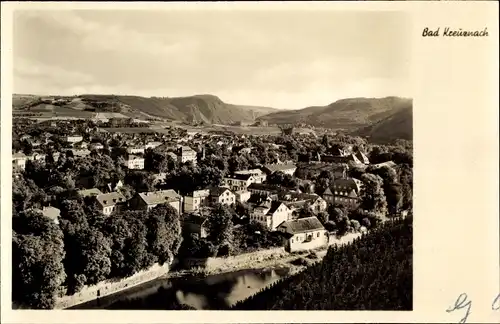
{"x":212,"y":292}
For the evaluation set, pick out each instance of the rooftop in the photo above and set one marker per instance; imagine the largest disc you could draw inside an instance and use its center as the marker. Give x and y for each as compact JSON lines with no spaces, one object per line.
{"x":89,"y":192}
{"x":110,"y":199}
{"x":302,"y":225}
{"x":159,"y":197}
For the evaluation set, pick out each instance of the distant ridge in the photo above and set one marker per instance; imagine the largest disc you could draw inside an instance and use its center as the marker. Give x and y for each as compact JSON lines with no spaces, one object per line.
{"x":204,"y":108}
{"x":346,"y":114}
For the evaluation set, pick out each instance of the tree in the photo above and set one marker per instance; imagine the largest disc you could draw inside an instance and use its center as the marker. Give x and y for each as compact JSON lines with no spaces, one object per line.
{"x":140,"y":181}
{"x":323,"y":217}
{"x":220,"y":225}
{"x":37,"y":261}
{"x":164,"y":232}
{"x":372,"y":194}
{"x":88,"y":258}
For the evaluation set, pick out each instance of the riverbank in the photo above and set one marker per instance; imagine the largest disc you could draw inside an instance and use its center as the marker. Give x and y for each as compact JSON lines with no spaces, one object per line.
{"x":263,"y":259}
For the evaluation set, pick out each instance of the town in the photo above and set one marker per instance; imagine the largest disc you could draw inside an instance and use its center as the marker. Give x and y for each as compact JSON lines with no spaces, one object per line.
{"x":122,"y":195}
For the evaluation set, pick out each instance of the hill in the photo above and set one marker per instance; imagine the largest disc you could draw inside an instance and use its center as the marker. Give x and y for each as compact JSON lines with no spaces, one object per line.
{"x":372,"y":273}
{"x":206,"y":109}
{"x":346,"y":114}
{"x":397,"y":126}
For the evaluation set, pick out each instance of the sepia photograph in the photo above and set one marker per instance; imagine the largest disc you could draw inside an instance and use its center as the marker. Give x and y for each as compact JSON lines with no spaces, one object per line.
{"x":212,"y":160}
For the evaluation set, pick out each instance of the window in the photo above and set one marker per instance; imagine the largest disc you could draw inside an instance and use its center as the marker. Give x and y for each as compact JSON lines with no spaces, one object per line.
{"x":291,"y":240}
{"x":318,"y":234}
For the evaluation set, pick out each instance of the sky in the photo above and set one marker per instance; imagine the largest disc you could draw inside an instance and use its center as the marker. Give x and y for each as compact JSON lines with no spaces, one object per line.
{"x":282,"y":59}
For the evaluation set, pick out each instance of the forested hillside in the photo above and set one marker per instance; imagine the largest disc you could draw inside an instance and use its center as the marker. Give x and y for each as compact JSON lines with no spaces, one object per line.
{"x":373,"y":273}
{"x":346,"y":114}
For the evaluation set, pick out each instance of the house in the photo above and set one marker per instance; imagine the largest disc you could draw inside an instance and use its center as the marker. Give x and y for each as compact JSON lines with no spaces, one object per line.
{"x":286,"y":168}
{"x":96,"y":146}
{"x":243,"y":196}
{"x":89,"y":192}
{"x":135,"y":162}
{"x":196,"y":199}
{"x":77,"y":153}
{"x":263,"y":189}
{"x":80,"y":145}
{"x":196,"y":224}
{"x":74,"y":138}
{"x":50,"y":212}
{"x":186,"y":154}
{"x":238,"y":182}
{"x":304,"y":234}
{"x":343,"y":192}
{"x":149,"y":200}
{"x":110,"y":202}
{"x":18,"y":161}
{"x":221,"y":195}
{"x":295,"y":201}
{"x":389,"y":164}
{"x":257,"y":174}
{"x":152,"y":145}
{"x":135,"y":150}
{"x":271,"y":214}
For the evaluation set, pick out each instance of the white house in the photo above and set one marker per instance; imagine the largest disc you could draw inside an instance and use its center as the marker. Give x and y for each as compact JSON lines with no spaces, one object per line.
{"x":74,"y":138}
{"x":186,"y":154}
{"x":221,"y":195}
{"x":239,"y":182}
{"x":257,"y":174}
{"x":152,"y":145}
{"x":135,"y":162}
{"x":242,"y":196}
{"x":195,"y":200}
{"x":110,"y":202}
{"x":18,"y":161}
{"x":148,"y":200}
{"x":304,"y":234}
{"x":135,"y":150}
{"x":271,"y":214}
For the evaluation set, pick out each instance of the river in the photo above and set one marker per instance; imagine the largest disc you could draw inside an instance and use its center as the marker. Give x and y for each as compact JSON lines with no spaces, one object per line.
{"x":210,"y":292}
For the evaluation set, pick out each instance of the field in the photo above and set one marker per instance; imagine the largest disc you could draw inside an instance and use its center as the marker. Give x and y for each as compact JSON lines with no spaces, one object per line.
{"x":136,"y":130}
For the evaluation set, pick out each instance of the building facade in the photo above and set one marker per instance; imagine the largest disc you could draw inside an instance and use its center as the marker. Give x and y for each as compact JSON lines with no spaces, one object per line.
{"x":304,"y":234}
{"x":196,"y":199}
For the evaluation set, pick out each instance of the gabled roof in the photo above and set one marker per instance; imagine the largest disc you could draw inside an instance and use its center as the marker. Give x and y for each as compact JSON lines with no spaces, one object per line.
{"x":18,"y":155}
{"x":200,"y":193}
{"x":251,"y":171}
{"x":218,"y":191}
{"x":274,"y":207}
{"x":345,"y":184}
{"x":239,"y":176}
{"x":328,"y":192}
{"x":110,"y":199}
{"x":159,"y":197}
{"x":302,"y":225}
{"x":279,"y":167}
{"x":89,"y":192}
{"x":50,"y":212}
{"x":263,"y":186}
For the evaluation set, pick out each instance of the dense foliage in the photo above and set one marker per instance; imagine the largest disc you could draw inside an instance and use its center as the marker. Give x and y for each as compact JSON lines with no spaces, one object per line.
{"x":86,"y":248}
{"x":373,"y":273}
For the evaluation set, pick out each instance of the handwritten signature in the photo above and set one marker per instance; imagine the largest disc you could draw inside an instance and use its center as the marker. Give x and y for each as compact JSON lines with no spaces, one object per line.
{"x":463,"y":303}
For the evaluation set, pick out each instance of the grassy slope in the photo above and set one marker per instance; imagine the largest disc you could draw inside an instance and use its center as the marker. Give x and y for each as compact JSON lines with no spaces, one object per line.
{"x":200,"y":108}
